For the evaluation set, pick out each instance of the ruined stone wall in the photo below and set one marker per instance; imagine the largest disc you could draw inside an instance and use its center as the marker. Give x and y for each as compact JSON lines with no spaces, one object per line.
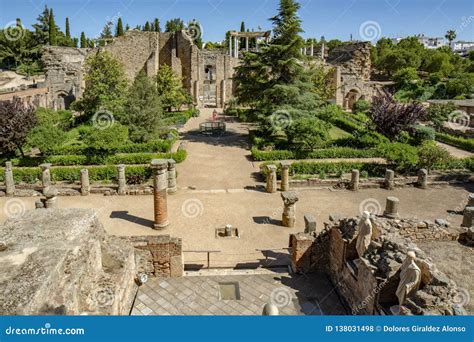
{"x":162,"y":255}
{"x":37,"y":97}
{"x":136,"y":51}
{"x":64,"y":74}
{"x":353,"y":58}
{"x":368,"y":284}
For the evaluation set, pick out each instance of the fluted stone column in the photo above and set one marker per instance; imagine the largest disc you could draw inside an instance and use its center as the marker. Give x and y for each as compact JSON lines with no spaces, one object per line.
{"x":271,"y":179}
{"x":389,"y":179}
{"x":468,"y":217}
{"x":223,"y":93}
{"x":160,"y":185}
{"x":423,"y":178}
{"x":285,"y":175}
{"x":9,"y":182}
{"x":355,"y":178}
{"x":122,"y":181}
{"x":391,"y":207}
{"x":85,"y":184}
{"x":45,"y":175}
{"x":172,"y":187}
{"x":289,"y":211}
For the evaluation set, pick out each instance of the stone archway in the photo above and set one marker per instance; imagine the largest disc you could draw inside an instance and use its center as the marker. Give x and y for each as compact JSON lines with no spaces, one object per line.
{"x":351,"y":97}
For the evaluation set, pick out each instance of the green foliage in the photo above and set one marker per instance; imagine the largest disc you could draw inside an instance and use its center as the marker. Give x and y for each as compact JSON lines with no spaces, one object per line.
{"x":107,"y":140}
{"x":333,"y":152}
{"x":406,"y":78}
{"x":174,"y":25}
{"x":423,"y":133}
{"x":149,"y":147}
{"x":462,"y":85}
{"x":403,"y":156}
{"x":52,"y":29}
{"x":438,"y":113}
{"x":323,"y":85}
{"x":430,"y":155}
{"x":119,"y":30}
{"x":142,"y":111}
{"x":170,"y":89}
{"x":83,"y":41}
{"x":307,"y":133}
{"x":361,"y":106}
{"x":106,"y":84}
{"x":46,"y":137}
{"x":462,"y":143}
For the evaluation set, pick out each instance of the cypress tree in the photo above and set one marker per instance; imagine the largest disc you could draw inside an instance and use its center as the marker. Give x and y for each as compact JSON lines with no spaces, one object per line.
{"x":68,"y":32}
{"x":157,"y":25}
{"x":147,"y":26}
{"x":242,"y":29}
{"x":83,"y":40}
{"x":52,"y":29}
{"x":119,"y":31}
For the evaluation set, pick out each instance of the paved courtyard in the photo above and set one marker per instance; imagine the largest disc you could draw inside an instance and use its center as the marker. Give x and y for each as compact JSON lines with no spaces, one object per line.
{"x":206,"y":295}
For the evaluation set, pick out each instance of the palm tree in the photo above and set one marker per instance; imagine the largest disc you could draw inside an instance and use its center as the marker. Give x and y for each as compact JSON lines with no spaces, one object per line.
{"x":450,"y":36}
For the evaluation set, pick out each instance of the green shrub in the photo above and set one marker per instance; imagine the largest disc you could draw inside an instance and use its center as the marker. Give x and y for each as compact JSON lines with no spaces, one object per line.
{"x":108,"y":139}
{"x":46,"y":137}
{"x":403,"y":156}
{"x":361,"y":106}
{"x":334,"y":152}
{"x":423,"y":133}
{"x":462,"y":143}
{"x":156,"y":146}
{"x":431,"y":155}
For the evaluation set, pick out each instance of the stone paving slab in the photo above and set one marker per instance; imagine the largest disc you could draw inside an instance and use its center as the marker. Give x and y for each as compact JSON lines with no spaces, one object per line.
{"x":199,"y":295}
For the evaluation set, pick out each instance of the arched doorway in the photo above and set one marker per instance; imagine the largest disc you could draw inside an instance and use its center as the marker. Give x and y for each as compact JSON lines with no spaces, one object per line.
{"x":350,"y":99}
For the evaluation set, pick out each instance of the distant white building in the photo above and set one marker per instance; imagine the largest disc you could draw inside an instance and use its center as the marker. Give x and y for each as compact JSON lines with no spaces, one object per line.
{"x":462,"y":47}
{"x":432,"y":43}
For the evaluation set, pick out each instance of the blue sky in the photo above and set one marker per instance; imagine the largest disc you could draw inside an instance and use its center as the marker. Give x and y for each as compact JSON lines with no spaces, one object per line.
{"x":331,"y":18}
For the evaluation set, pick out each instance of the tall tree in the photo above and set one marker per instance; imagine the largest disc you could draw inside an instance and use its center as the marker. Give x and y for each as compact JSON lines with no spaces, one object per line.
{"x":52,"y":29}
{"x":242,"y":29}
{"x":157,"y":25}
{"x":147,"y":27}
{"x":83,"y":40}
{"x":41,"y":27}
{"x":450,"y":36}
{"x":174,"y":25}
{"x":68,"y":30}
{"x":119,"y":30}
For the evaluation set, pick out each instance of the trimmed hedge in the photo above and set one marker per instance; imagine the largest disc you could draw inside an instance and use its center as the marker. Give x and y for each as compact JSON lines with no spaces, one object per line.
{"x":334,"y":152}
{"x":158,"y":146}
{"x":462,"y":143}
{"x":73,"y":174}
{"x":347,"y":125}
{"x":314,"y":168}
{"x":122,"y":158}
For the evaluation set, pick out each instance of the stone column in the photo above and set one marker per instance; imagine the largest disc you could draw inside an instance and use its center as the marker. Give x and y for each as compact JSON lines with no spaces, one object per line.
{"x":271,"y":179}
{"x":355,"y":177}
{"x":423,"y":178}
{"x":122,"y":181}
{"x":45,"y":175}
{"x":196,"y":92}
{"x":160,"y":185}
{"x":389,"y":179}
{"x":9,"y":182}
{"x":288,"y":218}
{"x":285,"y":175}
{"x":312,"y":49}
{"x":468,"y":218}
{"x":230,"y":46}
{"x":309,"y":224}
{"x":391,"y":207}
{"x":246,"y":43}
{"x":223,"y":95}
{"x":85,"y":184}
{"x":236,"y":47}
{"x":172,"y":187}
{"x":51,"y":194}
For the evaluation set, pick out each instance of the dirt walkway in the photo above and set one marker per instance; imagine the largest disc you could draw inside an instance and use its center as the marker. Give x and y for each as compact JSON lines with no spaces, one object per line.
{"x":454,"y":151}
{"x":220,"y":162}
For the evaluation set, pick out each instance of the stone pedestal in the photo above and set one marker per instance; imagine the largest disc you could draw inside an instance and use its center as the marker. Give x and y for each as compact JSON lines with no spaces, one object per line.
{"x":122,"y":181}
{"x":172,"y":187}
{"x":391,"y":207}
{"x":160,"y":186}
{"x":85,"y":184}
{"x":51,"y":200}
{"x":45,"y":175}
{"x":389,"y":179}
{"x":422,"y":179}
{"x":271,"y":179}
{"x":289,"y":211}
{"x":270,"y":309}
{"x":9,"y":182}
{"x":468,"y":218}
{"x":309,"y":224}
{"x":355,"y":177}
{"x":285,"y":176}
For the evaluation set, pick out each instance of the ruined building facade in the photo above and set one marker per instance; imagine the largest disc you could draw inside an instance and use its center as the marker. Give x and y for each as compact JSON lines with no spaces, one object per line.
{"x":206,"y":75}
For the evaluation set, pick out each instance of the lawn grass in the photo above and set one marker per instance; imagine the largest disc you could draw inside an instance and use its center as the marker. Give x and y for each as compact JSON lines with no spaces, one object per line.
{"x":337,"y":133}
